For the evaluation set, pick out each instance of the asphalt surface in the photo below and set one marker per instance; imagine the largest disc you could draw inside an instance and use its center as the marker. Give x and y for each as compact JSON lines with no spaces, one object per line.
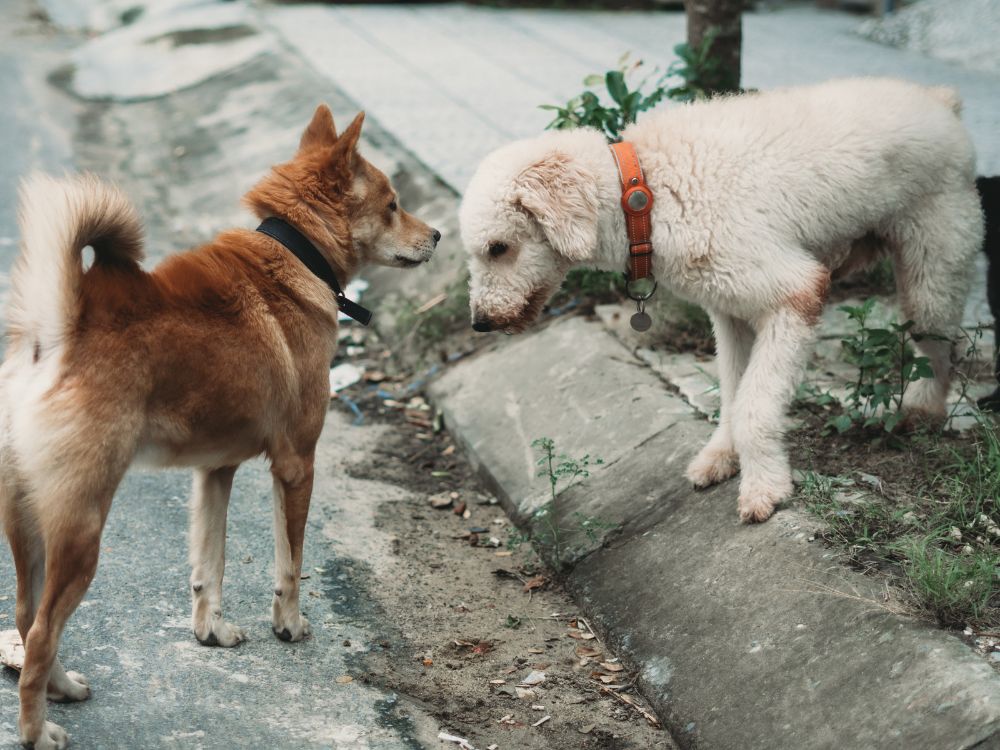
{"x":153,"y":685}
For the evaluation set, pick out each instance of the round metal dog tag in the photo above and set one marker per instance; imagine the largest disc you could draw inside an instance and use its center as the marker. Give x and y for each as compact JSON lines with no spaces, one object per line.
{"x":641,"y":322}
{"x":637,"y":200}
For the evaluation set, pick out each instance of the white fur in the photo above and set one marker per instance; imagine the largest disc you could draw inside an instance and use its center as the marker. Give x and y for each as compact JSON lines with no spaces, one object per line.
{"x":758,"y":198}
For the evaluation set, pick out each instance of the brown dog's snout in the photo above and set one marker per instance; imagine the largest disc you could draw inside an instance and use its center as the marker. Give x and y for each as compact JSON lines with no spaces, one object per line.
{"x":482,"y":324}
{"x":436,"y":236}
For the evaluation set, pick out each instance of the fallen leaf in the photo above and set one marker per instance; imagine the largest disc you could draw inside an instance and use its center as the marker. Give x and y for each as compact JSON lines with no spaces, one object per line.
{"x":503,"y":553}
{"x":459,"y":508}
{"x":612,"y":666}
{"x":11,"y":649}
{"x":523,"y":693}
{"x":344,"y":679}
{"x":588,"y":728}
{"x":534,"y":678}
{"x":535,"y":583}
{"x":580,"y":635}
{"x":439,"y":501}
{"x":536,"y":650}
{"x":587,"y":652}
{"x":428,"y":661}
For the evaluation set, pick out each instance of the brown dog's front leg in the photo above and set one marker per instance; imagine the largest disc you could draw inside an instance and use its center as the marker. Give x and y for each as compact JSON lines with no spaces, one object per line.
{"x":293,"y":482}
{"x":209,"y":507}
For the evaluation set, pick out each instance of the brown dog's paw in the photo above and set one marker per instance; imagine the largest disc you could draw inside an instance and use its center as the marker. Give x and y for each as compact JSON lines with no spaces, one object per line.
{"x":52,"y":737}
{"x":297,"y":630}
{"x":222,"y":634}
{"x":70,"y":687}
{"x":712,"y":466}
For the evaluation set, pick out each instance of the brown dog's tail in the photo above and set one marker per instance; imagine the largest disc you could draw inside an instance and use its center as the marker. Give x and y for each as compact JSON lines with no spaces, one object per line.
{"x":58,"y":219}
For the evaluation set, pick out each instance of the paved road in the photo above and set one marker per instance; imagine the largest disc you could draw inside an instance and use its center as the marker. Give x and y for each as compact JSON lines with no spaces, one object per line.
{"x":154,"y":686}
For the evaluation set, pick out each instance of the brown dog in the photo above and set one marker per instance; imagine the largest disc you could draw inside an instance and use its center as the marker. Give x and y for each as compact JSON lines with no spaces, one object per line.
{"x":218,"y":355}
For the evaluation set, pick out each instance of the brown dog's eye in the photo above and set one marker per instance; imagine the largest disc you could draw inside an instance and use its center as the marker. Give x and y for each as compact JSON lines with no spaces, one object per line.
{"x":497,"y":249}
{"x":393,"y":206}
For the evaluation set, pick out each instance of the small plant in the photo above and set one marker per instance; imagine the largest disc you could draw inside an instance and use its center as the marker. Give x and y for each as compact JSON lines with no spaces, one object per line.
{"x":955,"y":588}
{"x":544,"y":528}
{"x":694,"y":73}
{"x":886,"y":365}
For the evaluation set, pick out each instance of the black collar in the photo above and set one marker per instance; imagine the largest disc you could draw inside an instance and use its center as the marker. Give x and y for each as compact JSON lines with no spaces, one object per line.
{"x":304,"y":250}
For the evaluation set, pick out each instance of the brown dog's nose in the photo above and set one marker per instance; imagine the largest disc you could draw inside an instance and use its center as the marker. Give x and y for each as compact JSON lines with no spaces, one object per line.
{"x":482,"y":324}
{"x":436,"y":235}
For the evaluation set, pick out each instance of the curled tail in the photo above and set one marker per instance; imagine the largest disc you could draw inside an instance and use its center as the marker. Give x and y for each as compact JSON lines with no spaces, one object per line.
{"x":58,"y":218}
{"x":947,"y":96}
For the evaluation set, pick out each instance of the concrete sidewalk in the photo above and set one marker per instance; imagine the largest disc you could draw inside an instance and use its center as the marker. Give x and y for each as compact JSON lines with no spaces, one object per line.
{"x":453,"y":82}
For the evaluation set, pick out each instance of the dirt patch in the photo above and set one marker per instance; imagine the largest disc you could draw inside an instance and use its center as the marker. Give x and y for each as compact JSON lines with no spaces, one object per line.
{"x":495,"y":645}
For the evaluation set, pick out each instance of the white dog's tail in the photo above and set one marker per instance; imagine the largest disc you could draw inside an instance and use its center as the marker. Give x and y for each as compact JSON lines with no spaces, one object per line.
{"x":58,"y":219}
{"x":947,"y":96}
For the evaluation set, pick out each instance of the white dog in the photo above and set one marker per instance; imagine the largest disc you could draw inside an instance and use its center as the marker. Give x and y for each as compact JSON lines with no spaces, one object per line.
{"x":758,"y":199}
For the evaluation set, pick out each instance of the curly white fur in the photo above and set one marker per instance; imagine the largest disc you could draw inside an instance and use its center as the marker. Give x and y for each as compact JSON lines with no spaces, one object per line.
{"x":758,"y":199}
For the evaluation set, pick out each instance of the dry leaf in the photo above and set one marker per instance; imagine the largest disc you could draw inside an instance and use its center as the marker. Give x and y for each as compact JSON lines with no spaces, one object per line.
{"x":588,"y":652}
{"x":580,"y":635}
{"x":612,"y":666}
{"x":523,"y":693}
{"x":344,"y":679}
{"x":535,"y":583}
{"x":536,"y":650}
{"x":534,"y":678}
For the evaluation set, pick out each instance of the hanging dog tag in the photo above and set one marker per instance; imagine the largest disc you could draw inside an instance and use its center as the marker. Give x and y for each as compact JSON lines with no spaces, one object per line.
{"x":640,"y":321}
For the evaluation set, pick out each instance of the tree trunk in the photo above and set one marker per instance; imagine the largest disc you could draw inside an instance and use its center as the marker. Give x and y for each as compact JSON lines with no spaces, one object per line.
{"x":725,"y":17}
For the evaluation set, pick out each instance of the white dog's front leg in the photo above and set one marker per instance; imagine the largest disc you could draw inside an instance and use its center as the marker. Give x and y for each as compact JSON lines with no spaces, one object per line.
{"x":209,"y":507}
{"x":776,"y":364}
{"x":718,"y":460}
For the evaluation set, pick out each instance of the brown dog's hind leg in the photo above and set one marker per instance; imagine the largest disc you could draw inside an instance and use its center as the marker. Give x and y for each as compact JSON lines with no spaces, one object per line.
{"x":28,"y":552}
{"x":209,"y":505}
{"x":293,"y":482}
{"x":72,"y":544}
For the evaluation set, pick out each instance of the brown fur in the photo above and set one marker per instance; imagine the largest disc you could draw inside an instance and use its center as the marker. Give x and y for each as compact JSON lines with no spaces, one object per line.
{"x":218,"y":355}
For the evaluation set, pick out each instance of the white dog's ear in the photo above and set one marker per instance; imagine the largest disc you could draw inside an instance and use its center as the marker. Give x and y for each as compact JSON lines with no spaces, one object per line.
{"x":562,"y":197}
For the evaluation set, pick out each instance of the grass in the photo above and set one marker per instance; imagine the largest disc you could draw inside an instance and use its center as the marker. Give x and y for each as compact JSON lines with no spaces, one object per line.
{"x":430,"y":326}
{"x":938,"y":539}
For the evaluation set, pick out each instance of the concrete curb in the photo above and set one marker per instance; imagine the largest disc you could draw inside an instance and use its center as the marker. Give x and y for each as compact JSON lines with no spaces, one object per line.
{"x":744,"y":636}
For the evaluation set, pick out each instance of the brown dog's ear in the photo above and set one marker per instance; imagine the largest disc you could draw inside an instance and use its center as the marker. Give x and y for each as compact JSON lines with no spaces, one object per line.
{"x":345,"y":150}
{"x":320,"y":133}
{"x":561,"y":196}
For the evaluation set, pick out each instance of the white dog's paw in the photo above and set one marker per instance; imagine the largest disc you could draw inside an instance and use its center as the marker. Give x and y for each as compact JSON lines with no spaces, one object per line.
{"x":758,"y":497}
{"x":712,"y":465}
{"x":52,"y":737}
{"x":68,"y":687}
{"x":220,"y":633}
{"x":290,"y":628}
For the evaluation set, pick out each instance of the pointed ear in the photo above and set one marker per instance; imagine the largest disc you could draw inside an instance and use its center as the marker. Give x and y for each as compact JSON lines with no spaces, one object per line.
{"x":562,"y":197}
{"x":320,"y":133}
{"x":345,"y":150}
{"x":349,"y":138}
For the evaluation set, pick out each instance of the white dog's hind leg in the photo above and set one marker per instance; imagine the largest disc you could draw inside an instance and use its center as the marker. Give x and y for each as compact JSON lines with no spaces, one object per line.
{"x":718,"y":459}
{"x":209,"y":506}
{"x":934,"y":251}
{"x":776,"y":364}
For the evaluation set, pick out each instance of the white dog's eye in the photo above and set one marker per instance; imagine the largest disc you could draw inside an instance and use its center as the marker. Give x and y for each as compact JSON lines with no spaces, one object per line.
{"x":497,"y":249}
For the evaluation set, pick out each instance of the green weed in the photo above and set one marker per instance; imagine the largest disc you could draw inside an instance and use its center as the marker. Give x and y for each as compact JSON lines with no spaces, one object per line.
{"x":544,"y":529}
{"x":886,"y":365}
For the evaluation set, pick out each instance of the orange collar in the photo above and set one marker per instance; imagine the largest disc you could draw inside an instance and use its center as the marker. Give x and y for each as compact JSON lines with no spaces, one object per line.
{"x":637,"y":202}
